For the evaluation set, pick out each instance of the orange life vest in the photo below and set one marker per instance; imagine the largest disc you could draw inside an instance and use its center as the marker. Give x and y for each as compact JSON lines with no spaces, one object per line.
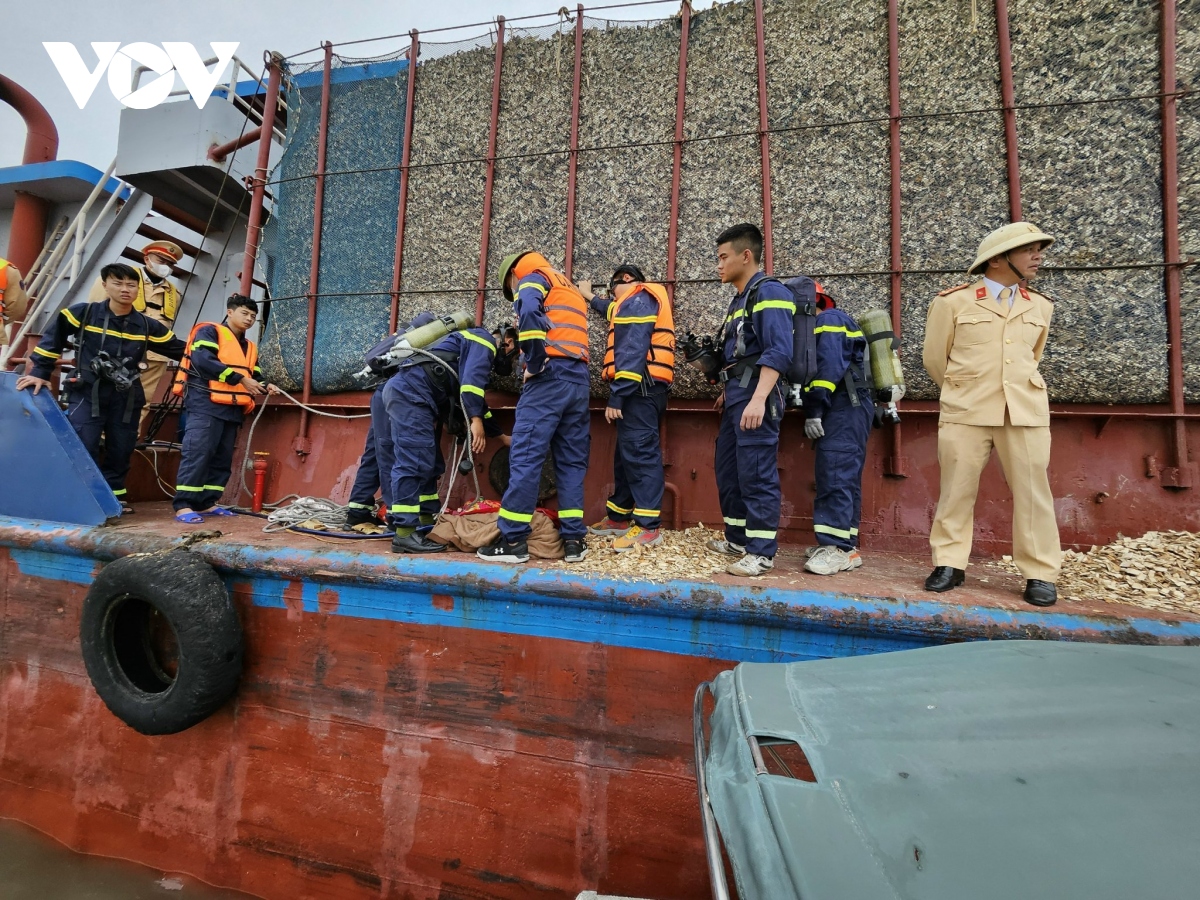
{"x":229,"y":351}
{"x":660,"y":358}
{"x":564,"y":305}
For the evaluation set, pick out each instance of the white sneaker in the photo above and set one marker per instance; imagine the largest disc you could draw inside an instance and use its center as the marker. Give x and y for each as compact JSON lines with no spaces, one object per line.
{"x":720,"y":545}
{"x":751,"y":566}
{"x":831,"y":560}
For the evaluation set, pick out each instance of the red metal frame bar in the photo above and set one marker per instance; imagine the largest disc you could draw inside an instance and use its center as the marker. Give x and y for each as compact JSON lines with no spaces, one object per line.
{"x":1009,"y":102}
{"x":685,"y":18}
{"x":405,"y":159}
{"x":895,"y":465}
{"x":218,"y":152}
{"x":1179,"y":475}
{"x":764,"y":137}
{"x":302,"y":445}
{"x":573,"y":158}
{"x":486,"y":233}
{"x":259,"y":181}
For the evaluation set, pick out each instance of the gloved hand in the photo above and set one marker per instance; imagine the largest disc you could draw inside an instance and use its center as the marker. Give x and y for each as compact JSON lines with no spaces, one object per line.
{"x":897,"y":393}
{"x":813,"y":429}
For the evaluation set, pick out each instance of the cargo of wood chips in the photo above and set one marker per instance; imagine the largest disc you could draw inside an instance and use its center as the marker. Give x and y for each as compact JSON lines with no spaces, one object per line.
{"x":680,"y":555}
{"x":1159,"y":570}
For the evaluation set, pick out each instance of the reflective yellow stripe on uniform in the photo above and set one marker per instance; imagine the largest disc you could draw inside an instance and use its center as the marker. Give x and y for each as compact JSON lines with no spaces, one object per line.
{"x":120,"y":493}
{"x":405,"y":508}
{"x":224,"y":374}
{"x":839,"y":329}
{"x":646,"y":512}
{"x":631,"y":376}
{"x":618,"y":509}
{"x":515,"y":516}
{"x":196,"y":345}
{"x":776,"y":304}
{"x":46,"y":353}
{"x":736,"y":314}
{"x":477,"y":339}
{"x":214,"y":487}
{"x":354,"y":505}
{"x":764,"y":535}
{"x":115,"y":334}
{"x":531,"y":335}
{"x":169,"y":336}
{"x":70,"y":318}
{"x":532,"y":284}
{"x":820,"y":383}
{"x":634,"y":320}
{"x":737,"y":523}
{"x":187,"y":487}
{"x":425,"y":498}
{"x":836,"y":532}
{"x":470,"y":389}
{"x":570,"y":513}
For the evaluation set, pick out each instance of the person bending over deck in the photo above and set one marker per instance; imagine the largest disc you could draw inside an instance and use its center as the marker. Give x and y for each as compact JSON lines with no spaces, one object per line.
{"x":756,"y":343}
{"x":218,"y":381}
{"x":983,"y":343}
{"x":639,"y":362}
{"x":552,"y":412}
{"x":105,"y":395}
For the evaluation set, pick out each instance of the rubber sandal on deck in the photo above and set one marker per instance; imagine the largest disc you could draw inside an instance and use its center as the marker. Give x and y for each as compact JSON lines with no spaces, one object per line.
{"x":218,"y":511}
{"x":189,"y":518}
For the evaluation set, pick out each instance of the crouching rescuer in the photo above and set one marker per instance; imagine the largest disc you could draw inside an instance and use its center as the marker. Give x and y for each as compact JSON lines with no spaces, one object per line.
{"x":218,"y":380}
{"x":639,"y":361}
{"x":756,"y":345}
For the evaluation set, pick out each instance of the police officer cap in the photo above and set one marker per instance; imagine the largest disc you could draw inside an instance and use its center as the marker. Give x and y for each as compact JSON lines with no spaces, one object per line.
{"x":1008,"y":237}
{"x":628,"y":269}
{"x":165,"y":248}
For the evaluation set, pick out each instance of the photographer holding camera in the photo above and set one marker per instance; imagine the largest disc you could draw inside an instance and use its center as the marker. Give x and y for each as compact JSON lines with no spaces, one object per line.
{"x":104,"y":396}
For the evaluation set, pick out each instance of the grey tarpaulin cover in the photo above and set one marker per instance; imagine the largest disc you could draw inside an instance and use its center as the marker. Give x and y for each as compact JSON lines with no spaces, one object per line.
{"x":990,"y":770}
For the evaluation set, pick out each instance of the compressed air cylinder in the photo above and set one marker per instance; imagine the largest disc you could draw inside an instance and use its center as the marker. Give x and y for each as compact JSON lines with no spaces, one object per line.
{"x":432,"y":332}
{"x":886,"y":372}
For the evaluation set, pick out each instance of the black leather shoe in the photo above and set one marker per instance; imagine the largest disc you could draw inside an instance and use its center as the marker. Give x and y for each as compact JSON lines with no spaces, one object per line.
{"x":361,"y":517}
{"x":416,"y":543}
{"x":1040,"y":593}
{"x":944,"y":578}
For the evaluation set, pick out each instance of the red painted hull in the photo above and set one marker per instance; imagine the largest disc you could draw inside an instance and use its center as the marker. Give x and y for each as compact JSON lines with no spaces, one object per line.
{"x":368,"y":759}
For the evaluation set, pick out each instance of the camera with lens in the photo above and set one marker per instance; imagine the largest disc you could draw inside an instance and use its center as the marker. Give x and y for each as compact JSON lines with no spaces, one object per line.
{"x":703,"y":354}
{"x":122,"y":373}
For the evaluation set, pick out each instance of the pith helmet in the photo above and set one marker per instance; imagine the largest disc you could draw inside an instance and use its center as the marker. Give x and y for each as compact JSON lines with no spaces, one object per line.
{"x":506,"y":266}
{"x":1006,"y":238}
{"x":166,"y":248}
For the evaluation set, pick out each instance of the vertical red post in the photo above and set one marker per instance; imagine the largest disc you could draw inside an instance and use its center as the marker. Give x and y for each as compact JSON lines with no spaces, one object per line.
{"x":764,"y":137}
{"x":1009,"y":102}
{"x":685,"y":18}
{"x":405,"y":159}
{"x":1179,"y":475}
{"x":895,"y":465}
{"x":302,"y":445}
{"x":491,"y":175}
{"x":259,"y":182}
{"x":573,"y":159}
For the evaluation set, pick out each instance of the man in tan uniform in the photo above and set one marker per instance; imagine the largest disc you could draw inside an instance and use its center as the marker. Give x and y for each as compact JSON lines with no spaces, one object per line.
{"x":14,"y":302}
{"x":158,"y":299}
{"x":983,"y":343}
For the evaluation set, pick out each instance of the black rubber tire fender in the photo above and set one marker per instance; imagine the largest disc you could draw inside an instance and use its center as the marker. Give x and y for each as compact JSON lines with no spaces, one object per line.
{"x":154,"y":678}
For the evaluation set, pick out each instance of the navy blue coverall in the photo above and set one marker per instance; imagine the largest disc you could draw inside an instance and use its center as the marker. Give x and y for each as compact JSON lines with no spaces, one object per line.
{"x":417,"y":399}
{"x":842,"y":452}
{"x":552,"y":412}
{"x":368,"y":481}
{"x":637,"y":461}
{"x":211,"y":429}
{"x":95,"y":405}
{"x":747,"y":462}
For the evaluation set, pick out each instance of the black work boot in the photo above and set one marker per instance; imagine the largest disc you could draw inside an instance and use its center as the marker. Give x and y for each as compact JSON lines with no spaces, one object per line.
{"x":502,"y":551}
{"x":361,"y":517}
{"x":944,"y":578}
{"x":415,"y":543}
{"x":1040,"y":593}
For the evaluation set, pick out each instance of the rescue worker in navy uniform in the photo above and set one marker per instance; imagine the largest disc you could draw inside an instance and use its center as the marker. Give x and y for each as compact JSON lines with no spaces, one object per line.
{"x":418,"y":399}
{"x":553,"y":409}
{"x":111,"y":340}
{"x":157,"y":298}
{"x":639,"y":361}
{"x":369,"y":480}
{"x":218,"y":380}
{"x":756,"y":348}
{"x":838,"y":416}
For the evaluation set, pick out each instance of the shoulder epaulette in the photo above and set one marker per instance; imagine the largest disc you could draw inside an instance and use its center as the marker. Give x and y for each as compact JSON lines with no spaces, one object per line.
{"x":957,"y":287}
{"x":1045,"y":297}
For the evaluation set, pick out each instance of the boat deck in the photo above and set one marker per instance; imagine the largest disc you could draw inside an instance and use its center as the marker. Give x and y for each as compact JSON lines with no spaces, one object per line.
{"x":884,"y":600}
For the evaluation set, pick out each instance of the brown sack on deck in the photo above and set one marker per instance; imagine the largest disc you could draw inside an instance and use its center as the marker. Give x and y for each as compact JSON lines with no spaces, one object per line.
{"x":469,"y":533}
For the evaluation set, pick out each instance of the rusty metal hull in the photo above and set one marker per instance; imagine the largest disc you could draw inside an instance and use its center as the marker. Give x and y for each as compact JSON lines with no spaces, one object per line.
{"x":430,"y":728}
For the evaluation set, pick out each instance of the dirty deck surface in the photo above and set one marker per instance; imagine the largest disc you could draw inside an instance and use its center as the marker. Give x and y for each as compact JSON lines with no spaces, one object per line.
{"x":883,"y":576}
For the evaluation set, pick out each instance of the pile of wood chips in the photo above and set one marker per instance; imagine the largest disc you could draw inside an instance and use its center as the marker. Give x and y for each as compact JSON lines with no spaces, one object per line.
{"x":1159,"y":570}
{"x":680,"y":554}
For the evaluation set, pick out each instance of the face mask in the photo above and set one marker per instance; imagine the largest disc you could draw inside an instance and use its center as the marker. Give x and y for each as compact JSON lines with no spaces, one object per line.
{"x":159,"y":269}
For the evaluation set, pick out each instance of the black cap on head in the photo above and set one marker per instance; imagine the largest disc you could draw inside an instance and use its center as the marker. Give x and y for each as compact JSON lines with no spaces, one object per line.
{"x":627,"y":269}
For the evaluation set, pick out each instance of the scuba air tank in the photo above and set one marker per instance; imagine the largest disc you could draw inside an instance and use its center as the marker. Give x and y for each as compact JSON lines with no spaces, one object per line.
{"x":887,"y":376}
{"x":384,"y":358}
